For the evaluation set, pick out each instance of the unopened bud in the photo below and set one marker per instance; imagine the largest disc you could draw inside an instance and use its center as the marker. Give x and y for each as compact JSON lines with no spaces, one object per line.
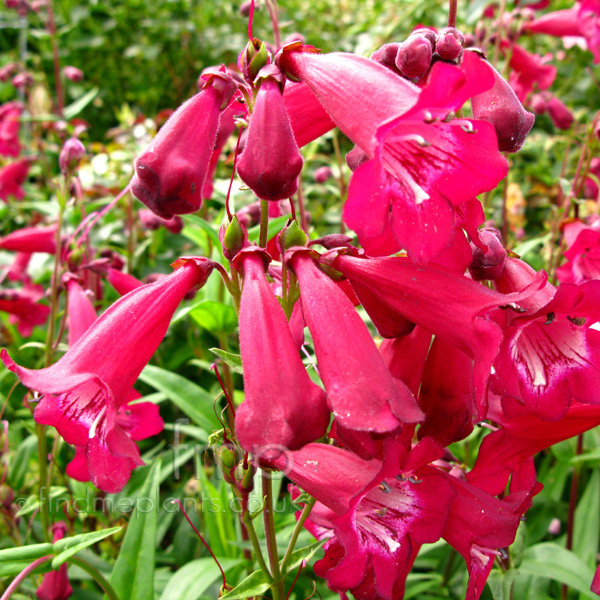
{"x":73,"y":73}
{"x":75,"y":259}
{"x":291,"y":236}
{"x":488,"y":264}
{"x":414,"y":56}
{"x":233,"y":238}
{"x":561,"y":116}
{"x":253,"y":58}
{"x":70,"y":155}
{"x":538,"y":104}
{"x":386,"y":56}
{"x":323,"y":174}
{"x":22,"y":80}
{"x":449,"y":45}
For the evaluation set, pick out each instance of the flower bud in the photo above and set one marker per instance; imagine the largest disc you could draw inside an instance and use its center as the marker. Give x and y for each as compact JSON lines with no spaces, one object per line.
{"x":253,"y":58}
{"x":449,"y":45}
{"x":323,"y":174}
{"x":233,"y":238}
{"x":538,"y":104}
{"x":386,"y":56}
{"x":22,"y":80}
{"x":561,"y":116}
{"x":488,"y":264}
{"x":414,"y":55}
{"x":501,"y":107}
{"x":73,"y":73}
{"x":70,"y":155}
{"x":291,"y":236}
{"x":271,"y":162}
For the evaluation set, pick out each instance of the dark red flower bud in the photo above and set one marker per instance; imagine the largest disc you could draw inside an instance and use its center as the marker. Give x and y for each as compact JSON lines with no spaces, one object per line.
{"x":449,"y":45}
{"x":170,"y":173}
{"x":271,"y":162}
{"x":538,"y":104}
{"x":561,"y":116}
{"x":501,"y":107}
{"x":73,"y":73}
{"x":323,"y":174}
{"x":414,"y":55}
{"x":386,"y":56}
{"x":488,"y":264}
{"x":70,"y":155}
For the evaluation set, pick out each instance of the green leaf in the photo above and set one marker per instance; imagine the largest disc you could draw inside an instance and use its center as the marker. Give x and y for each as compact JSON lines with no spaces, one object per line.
{"x":552,"y":561}
{"x":133,"y":575}
{"x":587,"y":522}
{"x":29,"y":553}
{"x":33,"y":502}
{"x":233,"y":360}
{"x":193,"y":579}
{"x":216,"y":317}
{"x":67,"y":547}
{"x":194,"y":220}
{"x":20,"y":462}
{"x":194,"y":401}
{"x":501,"y":583}
{"x":76,"y":107}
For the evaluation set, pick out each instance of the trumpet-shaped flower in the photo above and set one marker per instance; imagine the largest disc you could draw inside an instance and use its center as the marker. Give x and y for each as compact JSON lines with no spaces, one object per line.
{"x":31,"y":239}
{"x":9,"y":128}
{"x":83,"y":391}
{"x":282,"y":406}
{"x":12,"y":178}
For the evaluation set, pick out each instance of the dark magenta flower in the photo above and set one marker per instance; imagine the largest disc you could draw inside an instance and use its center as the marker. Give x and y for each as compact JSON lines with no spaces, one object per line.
{"x":582,"y":253}
{"x":271,"y":162}
{"x":12,"y":178}
{"x":282,"y":406}
{"x":529,"y":70}
{"x":9,"y":128}
{"x":550,"y":354}
{"x":558,"y":111}
{"x":361,"y":392}
{"x":170,"y":173}
{"x":83,"y":391}
{"x":23,"y":307}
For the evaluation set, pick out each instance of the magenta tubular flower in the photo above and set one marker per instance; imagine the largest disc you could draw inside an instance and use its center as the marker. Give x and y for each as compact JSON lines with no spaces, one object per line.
{"x":451,"y":306}
{"x":581,"y":20}
{"x":81,"y":313}
{"x":151,"y":221}
{"x":18,"y":270}
{"x":73,"y":73}
{"x":361,"y":392}
{"x":31,"y":239}
{"x":505,"y":453}
{"x":558,"y":111}
{"x":23,"y":308}
{"x":83,"y":391}
{"x":123,"y":282}
{"x":530,"y":70}
{"x":378,"y":513}
{"x":12,"y":178}
{"x":271,"y":162}
{"x":282,"y":406}
{"x":55,"y":584}
{"x":503,"y":109}
{"x":550,"y":354}
{"x":9,"y":128}
{"x":479,"y":525}
{"x":170,"y":173}
{"x":582,"y":254}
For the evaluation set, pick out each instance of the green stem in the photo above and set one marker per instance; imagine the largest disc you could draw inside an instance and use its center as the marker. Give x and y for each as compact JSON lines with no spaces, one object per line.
{"x":271,"y":537}
{"x":247,"y":521}
{"x":292,"y":543}
{"x":43,"y":479}
{"x":96,"y":576}
{"x":264,"y":223}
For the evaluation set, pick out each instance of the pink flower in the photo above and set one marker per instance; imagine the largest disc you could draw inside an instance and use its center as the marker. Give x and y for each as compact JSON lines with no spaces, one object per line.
{"x":9,"y":128}
{"x":271,"y":162}
{"x":73,"y":73}
{"x":170,"y":173}
{"x":55,"y":584}
{"x":31,"y":239}
{"x":558,"y":111}
{"x":581,"y":20}
{"x":12,"y":178}
{"x":421,"y":164}
{"x":83,"y":391}
{"x":550,"y":354}
{"x":23,"y":308}
{"x":282,"y":406}
{"x":530,"y":70}
{"x":361,"y":392}
{"x":377,"y":514}
{"x":582,"y":253}
{"x":151,"y":221}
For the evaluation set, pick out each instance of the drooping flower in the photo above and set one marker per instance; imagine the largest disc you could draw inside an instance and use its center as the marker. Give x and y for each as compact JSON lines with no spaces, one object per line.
{"x":550,"y":354}
{"x":23,"y":307}
{"x":151,"y":221}
{"x":12,"y":178}
{"x":422,"y":164}
{"x":83,"y":391}
{"x":558,"y":111}
{"x":529,"y":70}
{"x":451,"y":306}
{"x":170,"y":173}
{"x":55,"y":584}
{"x":271,"y":162}
{"x":282,"y":406}
{"x":9,"y":128}
{"x":31,"y":239}
{"x":361,"y":392}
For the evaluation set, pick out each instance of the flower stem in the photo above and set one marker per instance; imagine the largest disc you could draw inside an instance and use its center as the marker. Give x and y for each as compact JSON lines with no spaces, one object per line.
{"x":247,"y":521}
{"x":452,"y":13}
{"x":96,"y":576}
{"x":12,"y":588}
{"x":270,"y":535}
{"x":292,"y":543}
{"x":264,"y":223}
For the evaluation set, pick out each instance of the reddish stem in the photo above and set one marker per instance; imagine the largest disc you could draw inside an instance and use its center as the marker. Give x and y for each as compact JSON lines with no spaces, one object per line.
{"x":250,"y":19}
{"x":452,"y":13}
